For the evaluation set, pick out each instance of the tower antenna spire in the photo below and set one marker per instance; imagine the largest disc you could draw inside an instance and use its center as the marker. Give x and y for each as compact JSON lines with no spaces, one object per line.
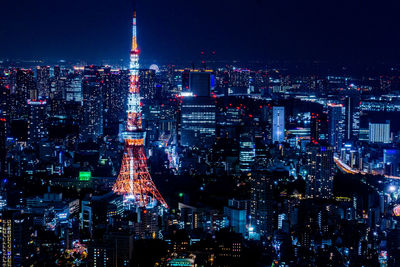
{"x":134,"y":180}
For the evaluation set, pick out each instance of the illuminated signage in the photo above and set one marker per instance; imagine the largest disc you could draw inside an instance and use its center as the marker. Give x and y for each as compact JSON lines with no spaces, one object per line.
{"x":85,"y":176}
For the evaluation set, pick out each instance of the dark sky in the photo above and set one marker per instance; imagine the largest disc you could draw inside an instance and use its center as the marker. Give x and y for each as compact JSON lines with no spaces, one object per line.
{"x":177,"y":30}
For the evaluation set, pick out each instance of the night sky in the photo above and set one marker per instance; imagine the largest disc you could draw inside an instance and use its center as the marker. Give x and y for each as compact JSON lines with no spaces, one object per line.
{"x":177,"y":30}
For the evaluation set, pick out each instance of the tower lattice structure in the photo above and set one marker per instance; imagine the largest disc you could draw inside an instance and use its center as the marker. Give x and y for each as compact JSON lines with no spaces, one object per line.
{"x":134,"y":180}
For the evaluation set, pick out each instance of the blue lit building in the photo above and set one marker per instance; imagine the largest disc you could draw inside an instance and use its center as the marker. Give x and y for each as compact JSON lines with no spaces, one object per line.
{"x":391,"y":160}
{"x":198,"y":121}
{"x":336,"y":125}
{"x":278,"y":124}
{"x":237,"y":219}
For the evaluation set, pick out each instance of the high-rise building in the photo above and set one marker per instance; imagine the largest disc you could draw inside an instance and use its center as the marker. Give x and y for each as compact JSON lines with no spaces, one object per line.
{"x":352,"y":117}
{"x":320,"y":170}
{"x":261,"y":203}
{"x":92,"y":123}
{"x":336,"y":125}
{"x":237,"y":219}
{"x":25,"y":89}
{"x":318,"y":127}
{"x":147,"y":84}
{"x":37,"y":119}
{"x":4,"y":120}
{"x":198,"y":121}
{"x":3,"y":148}
{"x":278,"y":124}
{"x":16,"y":233}
{"x":185,"y":80}
{"x":200,"y":83}
{"x":73,"y":90}
{"x":391,"y":160}
{"x":247,"y":153}
{"x":379,"y":132}
{"x":43,"y":81}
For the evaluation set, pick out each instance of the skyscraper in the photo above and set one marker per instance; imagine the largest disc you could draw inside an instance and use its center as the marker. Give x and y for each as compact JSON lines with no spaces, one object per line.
{"x":43,"y":81}
{"x":3,"y":148}
{"x":336,"y":125}
{"x":73,"y":90}
{"x":198,"y":121}
{"x":278,"y":124}
{"x":37,"y":120}
{"x":318,"y":127}
{"x":147,"y":84}
{"x":379,"y":132}
{"x":200,"y":83}
{"x":261,"y":204}
{"x":320,"y":170}
{"x":391,"y":160}
{"x":352,"y":117}
{"x":25,"y":89}
{"x":16,"y":233}
{"x":247,"y":153}
{"x":134,"y":180}
{"x":92,"y":123}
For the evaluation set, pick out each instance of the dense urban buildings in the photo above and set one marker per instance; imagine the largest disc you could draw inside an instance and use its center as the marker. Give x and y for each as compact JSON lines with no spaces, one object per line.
{"x":202,"y":163}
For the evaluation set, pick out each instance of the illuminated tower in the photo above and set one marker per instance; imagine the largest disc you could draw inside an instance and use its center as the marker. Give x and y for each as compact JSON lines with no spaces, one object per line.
{"x":134,"y":181}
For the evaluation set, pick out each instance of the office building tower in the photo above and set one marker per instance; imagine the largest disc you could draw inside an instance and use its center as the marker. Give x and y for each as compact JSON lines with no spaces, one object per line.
{"x":261,"y":202}
{"x":43,"y":81}
{"x":147,"y":84}
{"x":318,"y":127}
{"x":391,"y":161}
{"x":25,"y":89}
{"x":379,"y":132}
{"x":352,"y":117}
{"x":247,"y":153}
{"x":278,"y":124}
{"x":237,"y":219}
{"x":198,"y":121}
{"x":16,"y":234}
{"x":37,"y":119}
{"x":3,"y":148}
{"x":92,"y":123}
{"x":336,"y":125}
{"x":4,"y":101}
{"x":73,"y":90}
{"x":185,"y":80}
{"x":200,"y":83}
{"x":320,"y":170}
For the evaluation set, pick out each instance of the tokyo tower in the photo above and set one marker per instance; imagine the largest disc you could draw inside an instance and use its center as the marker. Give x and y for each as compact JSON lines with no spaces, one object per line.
{"x":134,"y":180}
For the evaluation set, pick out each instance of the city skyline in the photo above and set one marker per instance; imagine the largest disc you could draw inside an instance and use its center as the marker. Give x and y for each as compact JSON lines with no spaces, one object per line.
{"x":201,"y":162}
